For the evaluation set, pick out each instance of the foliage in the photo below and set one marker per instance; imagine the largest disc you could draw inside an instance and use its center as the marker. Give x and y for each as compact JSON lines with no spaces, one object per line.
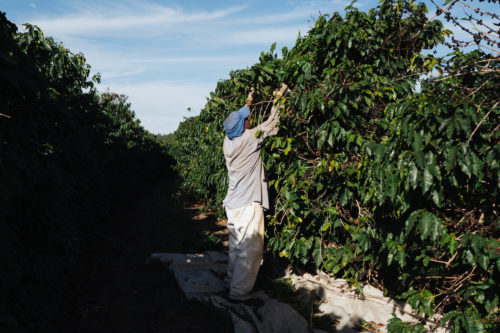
{"x":374,"y":180}
{"x":211,"y":242}
{"x":397,"y":325}
{"x":67,"y":154}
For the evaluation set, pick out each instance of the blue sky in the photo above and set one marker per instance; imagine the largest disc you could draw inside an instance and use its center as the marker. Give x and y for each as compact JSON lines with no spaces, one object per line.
{"x":168,"y":55}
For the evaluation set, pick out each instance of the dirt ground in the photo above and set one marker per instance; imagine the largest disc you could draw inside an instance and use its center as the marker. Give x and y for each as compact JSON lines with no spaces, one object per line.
{"x":116,"y":291}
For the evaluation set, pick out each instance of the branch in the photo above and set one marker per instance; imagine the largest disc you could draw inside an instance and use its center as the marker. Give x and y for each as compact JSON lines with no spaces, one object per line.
{"x":432,"y":18}
{"x":482,"y":120}
{"x":494,"y":130}
{"x":306,"y":140}
{"x":465,"y":73}
{"x":477,"y":9}
{"x":477,"y":89}
{"x":482,"y":45}
{"x":484,"y":33}
{"x":447,"y":263}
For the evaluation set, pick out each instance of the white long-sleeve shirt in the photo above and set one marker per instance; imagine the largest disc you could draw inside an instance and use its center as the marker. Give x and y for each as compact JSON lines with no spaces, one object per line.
{"x":247,"y":179}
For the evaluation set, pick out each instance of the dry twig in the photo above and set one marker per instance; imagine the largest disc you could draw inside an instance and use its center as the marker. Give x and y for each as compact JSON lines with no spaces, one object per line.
{"x":482,"y":120}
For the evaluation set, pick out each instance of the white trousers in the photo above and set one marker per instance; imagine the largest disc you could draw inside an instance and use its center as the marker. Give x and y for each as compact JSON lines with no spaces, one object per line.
{"x":246,"y":243}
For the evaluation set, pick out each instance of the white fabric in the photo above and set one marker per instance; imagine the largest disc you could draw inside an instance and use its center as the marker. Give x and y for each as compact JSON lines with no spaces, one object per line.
{"x":348,"y":308}
{"x":247,"y":179}
{"x":246,"y":243}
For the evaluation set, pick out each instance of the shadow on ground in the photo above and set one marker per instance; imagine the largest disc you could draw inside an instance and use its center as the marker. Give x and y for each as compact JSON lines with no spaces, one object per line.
{"x":117,"y":292}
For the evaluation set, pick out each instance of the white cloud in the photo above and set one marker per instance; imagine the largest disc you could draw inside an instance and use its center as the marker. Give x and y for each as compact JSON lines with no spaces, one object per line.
{"x":177,"y":60}
{"x":265,"y":35}
{"x":301,"y":13}
{"x":147,"y":20}
{"x":106,"y":20}
{"x":113,"y":65}
{"x":162,"y":105}
{"x":32,"y":5}
{"x":117,"y":67}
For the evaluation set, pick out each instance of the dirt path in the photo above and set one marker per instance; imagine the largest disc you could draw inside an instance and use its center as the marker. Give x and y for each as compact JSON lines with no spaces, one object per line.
{"x":118,"y":292}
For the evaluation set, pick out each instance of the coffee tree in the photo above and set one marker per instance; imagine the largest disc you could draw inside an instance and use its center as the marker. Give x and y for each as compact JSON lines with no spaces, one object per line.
{"x":385,"y":169}
{"x":67,"y":153}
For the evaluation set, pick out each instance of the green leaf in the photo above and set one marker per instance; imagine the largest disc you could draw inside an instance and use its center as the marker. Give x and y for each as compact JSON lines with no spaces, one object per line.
{"x":317,"y":257}
{"x":273,"y":47}
{"x":427,"y":301}
{"x":322,"y":138}
{"x":450,"y":129}
{"x":490,"y":304}
{"x":430,"y":225}
{"x":437,"y":197}
{"x":417,"y":142}
{"x":413,"y":173}
{"x":420,"y":159}
{"x":469,"y":257}
{"x":379,"y":153}
{"x":368,"y":101}
{"x":346,"y":195}
{"x":390,"y":257}
{"x":465,"y":125}
{"x":451,"y":159}
{"x":46,"y":45}
{"x":426,"y":261}
{"x":425,"y":225}
{"x":268,"y":69}
{"x":449,"y":316}
{"x":410,"y":221}
{"x":465,"y":165}
{"x":426,"y":180}
{"x":336,"y":269}
{"x":343,"y":106}
{"x":484,"y":261}
{"x":452,"y":245}
{"x":432,"y":166}
{"x":331,"y":139}
{"x":476,"y":242}
{"x":476,"y":164}
{"x":392,"y":186}
{"x":401,"y":258}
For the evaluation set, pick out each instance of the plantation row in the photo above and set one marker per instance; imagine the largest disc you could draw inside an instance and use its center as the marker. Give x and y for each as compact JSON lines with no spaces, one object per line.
{"x":374,"y":179}
{"x":68,"y":155}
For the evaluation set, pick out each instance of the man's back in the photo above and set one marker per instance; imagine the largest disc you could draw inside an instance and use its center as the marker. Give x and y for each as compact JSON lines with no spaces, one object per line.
{"x":246,"y":175}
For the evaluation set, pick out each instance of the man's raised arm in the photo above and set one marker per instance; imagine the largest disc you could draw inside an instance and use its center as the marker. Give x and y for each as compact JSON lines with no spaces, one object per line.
{"x":270,"y":126}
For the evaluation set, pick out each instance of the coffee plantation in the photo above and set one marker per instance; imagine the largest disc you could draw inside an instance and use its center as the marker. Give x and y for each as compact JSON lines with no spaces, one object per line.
{"x":386,"y":167}
{"x":68,"y":154}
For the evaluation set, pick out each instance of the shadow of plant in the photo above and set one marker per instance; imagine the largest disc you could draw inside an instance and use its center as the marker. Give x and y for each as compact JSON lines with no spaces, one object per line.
{"x":306,"y":302}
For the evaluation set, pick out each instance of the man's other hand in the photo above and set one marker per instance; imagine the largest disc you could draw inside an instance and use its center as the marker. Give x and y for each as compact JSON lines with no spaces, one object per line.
{"x":282,"y":91}
{"x":250,"y":97}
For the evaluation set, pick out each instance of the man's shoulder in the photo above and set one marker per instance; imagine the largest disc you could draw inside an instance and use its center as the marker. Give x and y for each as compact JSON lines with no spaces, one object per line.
{"x":251,"y":133}
{"x":232,"y":144}
{"x":248,"y":135}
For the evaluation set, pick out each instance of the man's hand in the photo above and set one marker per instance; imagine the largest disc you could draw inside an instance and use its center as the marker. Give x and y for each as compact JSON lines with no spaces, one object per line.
{"x":250,"y":97}
{"x":282,"y":91}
